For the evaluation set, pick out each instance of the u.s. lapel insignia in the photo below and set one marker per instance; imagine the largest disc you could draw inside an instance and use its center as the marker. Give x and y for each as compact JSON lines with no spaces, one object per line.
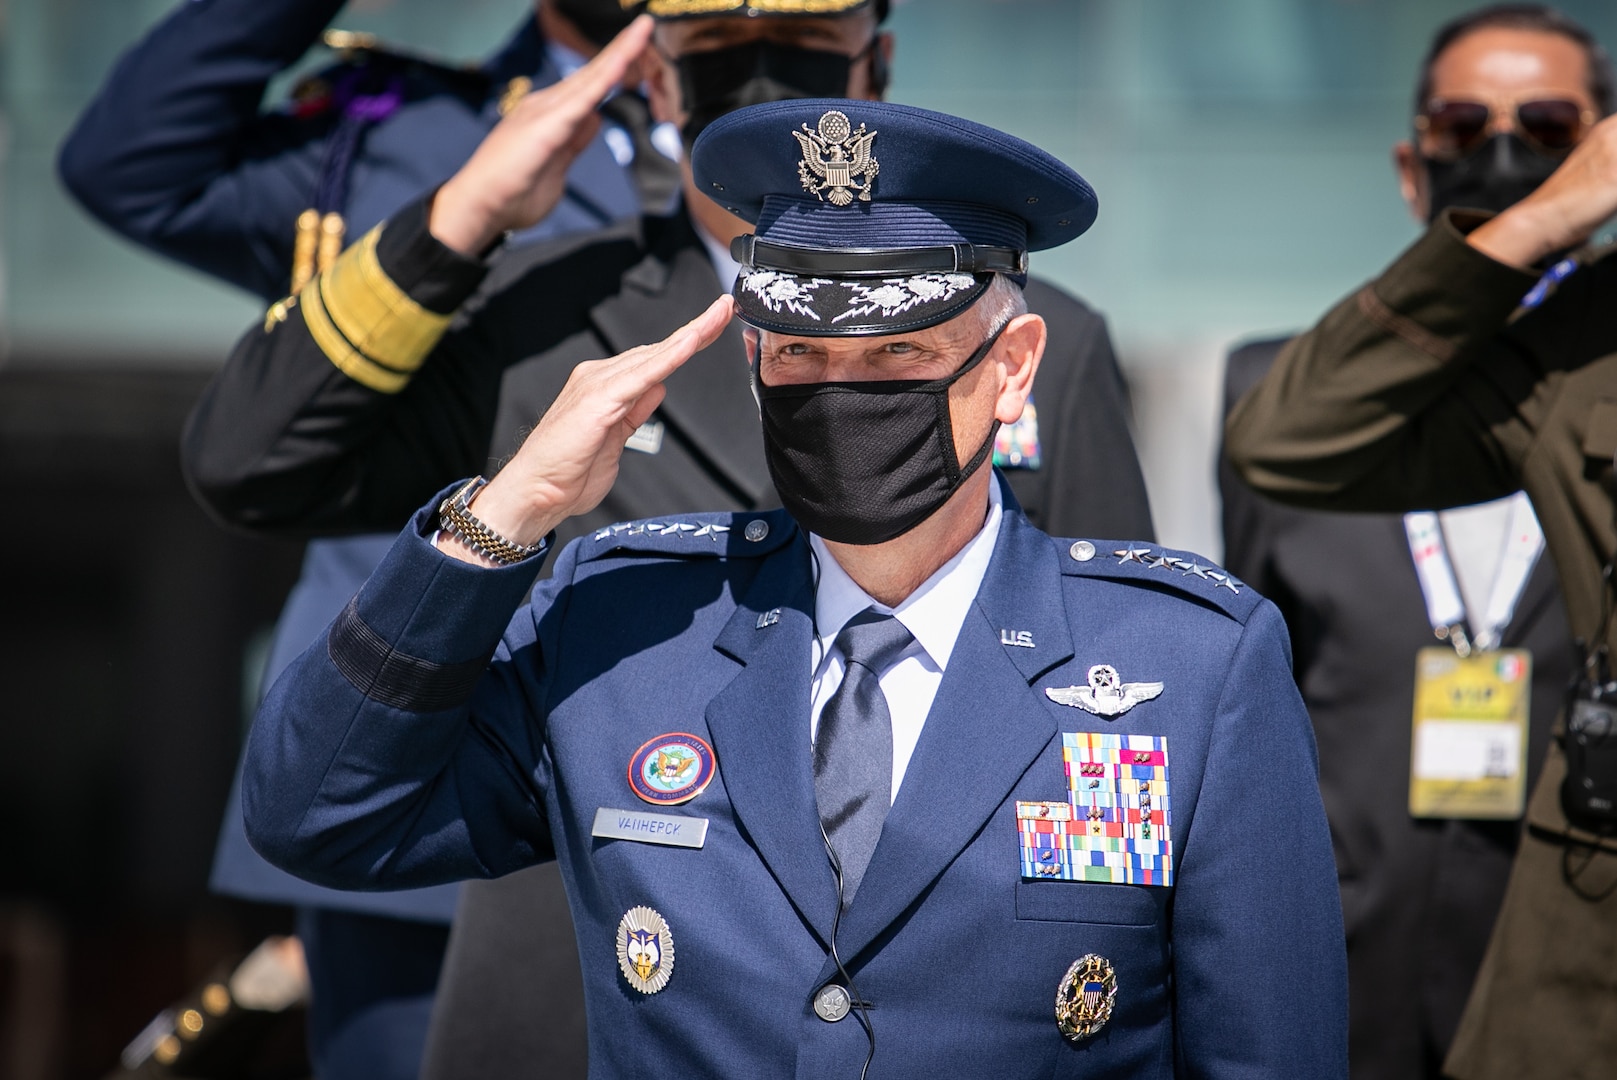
{"x":1085,"y":997}
{"x":834,"y":157}
{"x":671,"y":769}
{"x":645,"y":949}
{"x":1106,"y":695}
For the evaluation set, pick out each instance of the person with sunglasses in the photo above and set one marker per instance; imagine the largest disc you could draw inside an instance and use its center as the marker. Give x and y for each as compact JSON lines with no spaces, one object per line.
{"x":1483,"y":361}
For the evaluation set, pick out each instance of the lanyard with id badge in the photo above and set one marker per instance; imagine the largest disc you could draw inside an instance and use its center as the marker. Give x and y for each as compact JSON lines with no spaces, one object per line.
{"x":1469,"y":740}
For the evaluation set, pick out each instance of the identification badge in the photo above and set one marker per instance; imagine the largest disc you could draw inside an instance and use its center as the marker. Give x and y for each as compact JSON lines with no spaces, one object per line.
{"x":674,"y":830}
{"x":1469,"y":744}
{"x":647,"y":438}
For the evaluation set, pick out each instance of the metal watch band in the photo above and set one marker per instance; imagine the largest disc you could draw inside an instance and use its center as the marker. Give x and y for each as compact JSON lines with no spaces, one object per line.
{"x":456,"y":519}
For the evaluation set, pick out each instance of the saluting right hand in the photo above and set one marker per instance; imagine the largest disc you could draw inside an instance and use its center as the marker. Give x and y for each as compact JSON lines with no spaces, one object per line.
{"x":1566,"y":209}
{"x":569,"y":462}
{"x":519,"y":172}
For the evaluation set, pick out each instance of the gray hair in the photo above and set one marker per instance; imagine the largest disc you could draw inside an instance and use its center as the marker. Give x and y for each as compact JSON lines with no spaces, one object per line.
{"x":1000,"y":304}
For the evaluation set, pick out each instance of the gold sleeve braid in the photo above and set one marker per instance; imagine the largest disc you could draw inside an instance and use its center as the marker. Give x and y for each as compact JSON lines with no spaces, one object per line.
{"x":365,"y":324}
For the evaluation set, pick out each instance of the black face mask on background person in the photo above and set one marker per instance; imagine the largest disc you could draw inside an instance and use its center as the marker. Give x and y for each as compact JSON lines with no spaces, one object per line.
{"x":1499,"y":174}
{"x":720,"y":81}
{"x":598,"y":20}
{"x":865,"y":462}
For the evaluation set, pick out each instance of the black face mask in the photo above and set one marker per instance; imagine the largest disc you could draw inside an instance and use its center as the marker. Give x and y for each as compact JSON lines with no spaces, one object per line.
{"x":721,"y":81}
{"x":1499,"y":174}
{"x":864,"y":462}
{"x":598,"y":20}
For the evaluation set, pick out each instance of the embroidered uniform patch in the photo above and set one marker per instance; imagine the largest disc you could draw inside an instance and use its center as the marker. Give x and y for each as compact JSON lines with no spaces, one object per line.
{"x":1119,"y":829}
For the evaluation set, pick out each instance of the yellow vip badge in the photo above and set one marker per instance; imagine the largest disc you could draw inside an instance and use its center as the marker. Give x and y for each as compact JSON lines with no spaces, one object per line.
{"x":1469,"y":745}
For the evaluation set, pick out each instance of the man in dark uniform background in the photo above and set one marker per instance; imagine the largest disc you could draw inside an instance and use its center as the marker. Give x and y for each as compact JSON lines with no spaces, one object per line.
{"x":326,"y":419}
{"x":177,"y":154}
{"x":1419,"y":895}
{"x":1484,"y":359}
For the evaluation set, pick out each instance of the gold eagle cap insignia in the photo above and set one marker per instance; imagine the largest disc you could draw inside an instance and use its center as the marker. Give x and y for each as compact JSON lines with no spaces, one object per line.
{"x":835,"y":157}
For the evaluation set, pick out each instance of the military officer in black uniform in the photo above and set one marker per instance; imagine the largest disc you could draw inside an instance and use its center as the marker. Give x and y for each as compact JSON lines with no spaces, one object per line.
{"x":177,"y":154}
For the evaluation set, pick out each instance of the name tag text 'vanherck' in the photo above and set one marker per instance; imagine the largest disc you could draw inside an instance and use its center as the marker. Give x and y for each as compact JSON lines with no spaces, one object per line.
{"x":671,"y":829}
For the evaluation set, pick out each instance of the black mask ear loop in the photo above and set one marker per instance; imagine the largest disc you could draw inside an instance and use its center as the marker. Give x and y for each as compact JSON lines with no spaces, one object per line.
{"x":963,"y":472}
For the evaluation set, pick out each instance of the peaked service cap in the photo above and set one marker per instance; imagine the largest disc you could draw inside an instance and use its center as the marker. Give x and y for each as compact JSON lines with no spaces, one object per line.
{"x":874,"y":218}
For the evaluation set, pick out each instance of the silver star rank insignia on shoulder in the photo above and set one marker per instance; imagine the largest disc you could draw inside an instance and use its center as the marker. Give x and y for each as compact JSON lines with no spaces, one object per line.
{"x":834,"y":156}
{"x":1106,"y":695}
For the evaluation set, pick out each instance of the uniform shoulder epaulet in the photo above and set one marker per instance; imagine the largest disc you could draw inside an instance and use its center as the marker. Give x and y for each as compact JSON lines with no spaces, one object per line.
{"x":1156,"y":567}
{"x":729,"y":536}
{"x":360,"y":55}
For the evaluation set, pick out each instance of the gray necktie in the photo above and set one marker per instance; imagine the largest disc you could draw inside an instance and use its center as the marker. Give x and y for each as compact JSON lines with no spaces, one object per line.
{"x":853,"y":752}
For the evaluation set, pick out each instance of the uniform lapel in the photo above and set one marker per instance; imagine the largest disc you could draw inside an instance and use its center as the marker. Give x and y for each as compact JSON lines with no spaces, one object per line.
{"x":987,"y":725}
{"x":709,"y":404}
{"x":760,"y":729}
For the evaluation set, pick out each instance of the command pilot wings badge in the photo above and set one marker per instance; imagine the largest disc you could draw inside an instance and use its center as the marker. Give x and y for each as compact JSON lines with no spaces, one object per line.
{"x":833,"y":157}
{"x":1106,"y":695}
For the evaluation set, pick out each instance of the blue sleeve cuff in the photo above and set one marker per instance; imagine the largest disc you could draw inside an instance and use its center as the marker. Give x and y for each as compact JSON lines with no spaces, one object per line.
{"x":433,"y":606}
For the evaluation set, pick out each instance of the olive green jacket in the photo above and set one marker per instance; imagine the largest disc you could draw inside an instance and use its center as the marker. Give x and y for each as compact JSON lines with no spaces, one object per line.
{"x":1434,"y":386}
{"x":1431,"y":387}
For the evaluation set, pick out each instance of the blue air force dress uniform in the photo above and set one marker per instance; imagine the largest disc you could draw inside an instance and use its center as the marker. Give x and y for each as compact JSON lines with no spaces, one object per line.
{"x":175,"y":155}
{"x":1106,"y":855}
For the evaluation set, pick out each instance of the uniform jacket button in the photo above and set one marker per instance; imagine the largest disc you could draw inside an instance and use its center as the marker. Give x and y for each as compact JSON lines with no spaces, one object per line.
{"x":832,"y":1003}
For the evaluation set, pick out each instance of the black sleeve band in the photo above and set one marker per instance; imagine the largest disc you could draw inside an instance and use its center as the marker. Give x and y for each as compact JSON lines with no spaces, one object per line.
{"x":393,"y":678}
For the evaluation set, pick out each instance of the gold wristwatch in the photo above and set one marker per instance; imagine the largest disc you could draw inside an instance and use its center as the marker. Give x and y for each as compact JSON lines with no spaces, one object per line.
{"x":456,"y":518}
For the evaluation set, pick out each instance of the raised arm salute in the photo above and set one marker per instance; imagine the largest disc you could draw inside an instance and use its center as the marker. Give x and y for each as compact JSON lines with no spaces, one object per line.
{"x":329,"y":418}
{"x":1484,"y":360}
{"x":181,"y":153}
{"x":741,"y":734}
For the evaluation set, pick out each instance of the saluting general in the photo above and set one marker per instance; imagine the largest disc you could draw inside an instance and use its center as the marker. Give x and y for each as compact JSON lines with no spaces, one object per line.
{"x":886,"y":782}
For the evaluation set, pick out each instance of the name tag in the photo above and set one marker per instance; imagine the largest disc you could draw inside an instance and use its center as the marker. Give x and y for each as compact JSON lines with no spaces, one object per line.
{"x":671,"y":829}
{"x":1470,"y":734}
{"x":647,"y":438}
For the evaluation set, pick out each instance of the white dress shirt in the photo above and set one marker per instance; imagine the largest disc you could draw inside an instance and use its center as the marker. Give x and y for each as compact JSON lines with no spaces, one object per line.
{"x":933,"y":613}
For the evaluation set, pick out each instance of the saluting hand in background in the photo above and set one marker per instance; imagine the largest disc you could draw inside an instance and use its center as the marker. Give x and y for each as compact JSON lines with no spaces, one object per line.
{"x":519,"y":172}
{"x":1566,"y":209}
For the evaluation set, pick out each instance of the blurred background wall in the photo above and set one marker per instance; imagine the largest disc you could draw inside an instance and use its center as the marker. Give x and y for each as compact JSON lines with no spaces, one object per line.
{"x":1241,"y":153}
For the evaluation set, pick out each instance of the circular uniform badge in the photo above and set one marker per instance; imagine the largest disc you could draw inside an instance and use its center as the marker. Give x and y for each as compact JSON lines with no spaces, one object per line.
{"x":671,"y":769}
{"x":1084,"y":998}
{"x":645,"y":949}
